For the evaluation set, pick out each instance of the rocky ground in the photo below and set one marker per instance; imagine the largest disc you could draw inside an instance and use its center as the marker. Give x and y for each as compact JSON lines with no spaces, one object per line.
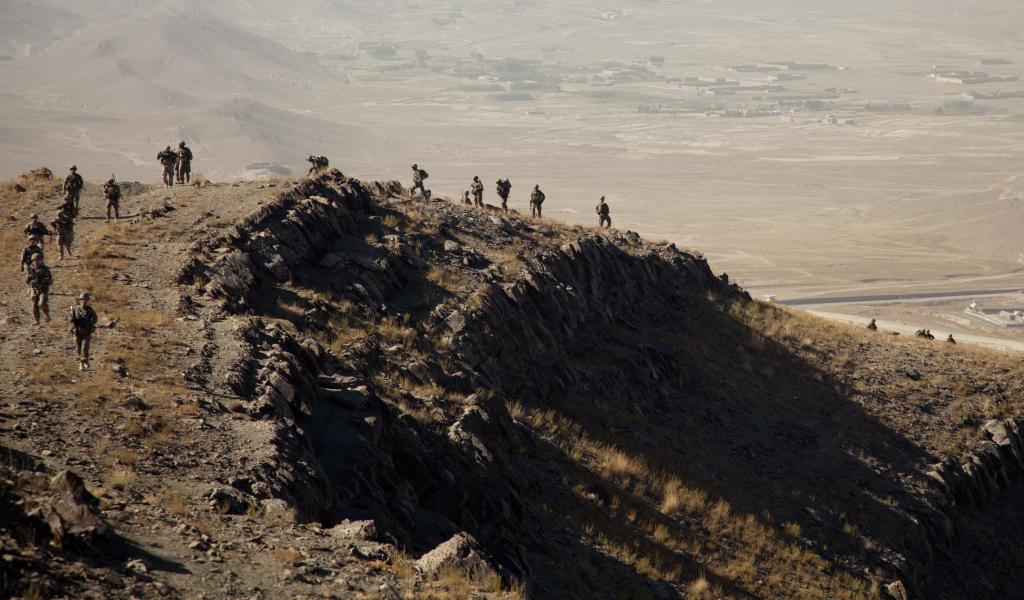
{"x":324,"y":389}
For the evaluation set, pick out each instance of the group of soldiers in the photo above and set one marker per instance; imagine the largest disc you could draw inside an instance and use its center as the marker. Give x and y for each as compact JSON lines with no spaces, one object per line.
{"x":39,"y":278}
{"x":177,"y":165}
{"x":504,"y":189}
{"x":921,"y":333}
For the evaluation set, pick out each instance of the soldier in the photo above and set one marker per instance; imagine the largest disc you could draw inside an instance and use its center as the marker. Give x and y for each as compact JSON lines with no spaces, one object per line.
{"x":950,"y":339}
{"x":184,"y":169}
{"x":477,"y":187}
{"x":167,"y":158}
{"x":418,"y":177}
{"x":536,"y":200}
{"x":37,"y":228}
{"x":83,"y":323}
{"x":602,"y":214}
{"x":465,"y":199}
{"x":317,"y":163}
{"x":112,"y":194}
{"x":39,"y":280}
{"x":64,"y":225}
{"x":872,"y":326}
{"x":30,"y":251}
{"x":73,"y":185}
{"x":504,"y":187}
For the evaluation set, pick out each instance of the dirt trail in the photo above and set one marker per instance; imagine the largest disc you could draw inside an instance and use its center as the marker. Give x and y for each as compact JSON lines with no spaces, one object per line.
{"x":146,"y":441}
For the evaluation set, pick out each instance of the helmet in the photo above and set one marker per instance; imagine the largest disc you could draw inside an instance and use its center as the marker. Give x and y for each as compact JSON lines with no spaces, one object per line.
{"x":415,"y":166}
{"x":83,"y":296}
{"x":34,"y":216}
{"x":37,"y":258}
{"x":181,"y":144}
{"x":73,"y":168}
{"x":476,"y":178}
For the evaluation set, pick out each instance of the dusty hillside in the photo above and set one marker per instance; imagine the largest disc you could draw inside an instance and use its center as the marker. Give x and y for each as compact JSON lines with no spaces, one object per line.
{"x":320,"y":388}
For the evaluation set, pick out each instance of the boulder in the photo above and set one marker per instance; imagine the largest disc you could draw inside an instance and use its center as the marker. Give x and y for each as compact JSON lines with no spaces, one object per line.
{"x":364,"y":531}
{"x":461,"y":552}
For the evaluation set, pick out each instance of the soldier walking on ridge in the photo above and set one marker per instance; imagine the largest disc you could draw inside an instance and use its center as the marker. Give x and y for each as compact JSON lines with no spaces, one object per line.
{"x":418,"y":177}
{"x":30,"y":251}
{"x":83,"y":323}
{"x":112,"y":194}
{"x":64,"y":225}
{"x":504,"y":187}
{"x":950,"y":339}
{"x":168,"y":158}
{"x":184,"y":170}
{"x":536,"y":200}
{"x":477,"y":187}
{"x":39,"y":280}
{"x":37,"y":228}
{"x":73,"y":185}
{"x":602,"y":213}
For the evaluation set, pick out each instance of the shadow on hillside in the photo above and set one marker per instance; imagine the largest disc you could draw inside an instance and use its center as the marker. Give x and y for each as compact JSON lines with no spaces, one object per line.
{"x":691,"y":393}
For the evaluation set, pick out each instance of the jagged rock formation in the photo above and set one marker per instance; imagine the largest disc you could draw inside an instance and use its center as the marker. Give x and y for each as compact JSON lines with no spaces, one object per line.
{"x":373,"y":381}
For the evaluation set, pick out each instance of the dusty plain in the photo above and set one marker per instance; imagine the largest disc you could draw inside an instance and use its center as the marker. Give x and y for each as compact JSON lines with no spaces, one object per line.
{"x":865,"y":176}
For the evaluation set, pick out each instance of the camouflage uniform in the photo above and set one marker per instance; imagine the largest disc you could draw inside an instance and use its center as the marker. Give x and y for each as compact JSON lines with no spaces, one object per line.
{"x":83,"y":324}
{"x":478,"y":191}
{"x":184,"y":169}
{"x":504,"y":187}
{"x":168,"y":158}
{"x":536,"y":200}
{"x":418,"y":176}
{"x":602,"y":212}
{"x":317,"y":163}
{"x":38,"y":229}
{"x":112,"y":194}
{"x":39,"y":280}
{"x":64,"y":225}
{"x":29,"y":252}
{"x":73,"y":185}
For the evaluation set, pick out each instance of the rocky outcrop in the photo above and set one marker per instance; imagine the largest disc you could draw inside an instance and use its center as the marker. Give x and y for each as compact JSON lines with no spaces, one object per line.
{"x":461,"y":553}
{"x":288,"y":232}
{"x":959,"y":487}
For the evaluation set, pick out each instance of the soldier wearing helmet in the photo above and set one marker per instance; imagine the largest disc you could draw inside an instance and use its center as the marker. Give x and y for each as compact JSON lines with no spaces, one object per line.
{"x":83,"y":324}
{"x":39,"y":280}
{"x":418,"y":177}
{"x":73,"y":185}
{"x":184,"y":168}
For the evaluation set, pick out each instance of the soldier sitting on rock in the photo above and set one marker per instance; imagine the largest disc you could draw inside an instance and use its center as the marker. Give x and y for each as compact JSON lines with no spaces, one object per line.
{"x":872,"y":326}
{"x":950,"y":339}
{"x":317,"y":163}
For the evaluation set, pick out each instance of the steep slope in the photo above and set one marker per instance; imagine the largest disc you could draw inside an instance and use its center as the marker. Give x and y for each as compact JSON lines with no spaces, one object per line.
{"x":331,"y":389}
